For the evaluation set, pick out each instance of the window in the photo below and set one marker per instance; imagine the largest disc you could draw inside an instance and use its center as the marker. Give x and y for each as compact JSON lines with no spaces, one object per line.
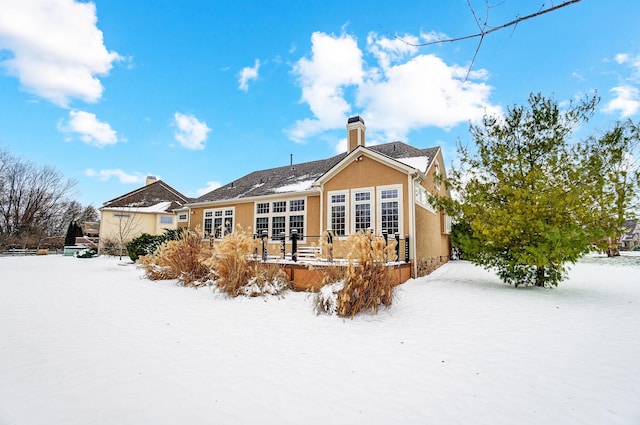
{"x":166,"y":220}
{"x":296,"y":205}
{"x":278,"y":227}
{"x":218,"y":222}
{"x":389,"y":208}
{"x":120,"y":215}
{"x":296,"y":222}
{"x":182,"y":217}
{"x":447,"y":224}
{"x":207,"y":223}
{"x":422,"y":198}
{"x":438,"y":177}
{"x":338,"y":213}
{"x":280,"y":216}
{"x":262,"y":223}
{"x":362,"y":210}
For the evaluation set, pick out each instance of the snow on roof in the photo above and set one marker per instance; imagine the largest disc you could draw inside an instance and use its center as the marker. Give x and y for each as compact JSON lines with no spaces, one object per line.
{"x":417,"y":162}
{"x":161,"y":207}
{"x":295,"y":187}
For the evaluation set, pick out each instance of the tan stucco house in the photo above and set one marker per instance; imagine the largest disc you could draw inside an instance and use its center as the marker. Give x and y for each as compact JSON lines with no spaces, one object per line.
{"x":383,"y":188}
{"x":150,"y":209}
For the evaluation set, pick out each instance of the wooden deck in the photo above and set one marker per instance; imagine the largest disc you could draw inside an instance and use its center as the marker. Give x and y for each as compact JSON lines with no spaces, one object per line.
{"x":308,"y":276}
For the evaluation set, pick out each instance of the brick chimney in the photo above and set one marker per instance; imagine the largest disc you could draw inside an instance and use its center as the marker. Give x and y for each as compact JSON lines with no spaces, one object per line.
{"x":355,"y":133}
{"x":151,"y":179}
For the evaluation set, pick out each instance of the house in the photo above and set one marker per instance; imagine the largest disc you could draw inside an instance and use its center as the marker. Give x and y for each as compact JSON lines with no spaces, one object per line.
{"x":630,"y":239}
{"x":383,"y":188}
{"x":150,"y":209}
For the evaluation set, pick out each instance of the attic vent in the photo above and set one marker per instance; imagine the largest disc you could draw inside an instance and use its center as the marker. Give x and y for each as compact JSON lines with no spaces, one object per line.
{"x":394,"y":147}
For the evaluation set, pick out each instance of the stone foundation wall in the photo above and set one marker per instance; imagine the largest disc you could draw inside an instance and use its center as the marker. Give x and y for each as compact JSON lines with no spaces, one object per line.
{"x":426,"y":265}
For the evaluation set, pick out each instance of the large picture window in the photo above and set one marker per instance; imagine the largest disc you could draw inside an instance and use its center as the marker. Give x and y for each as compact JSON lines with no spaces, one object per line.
{"x":360,"y":209}
{"x":280,"y":216}
{"x":218,"y":222}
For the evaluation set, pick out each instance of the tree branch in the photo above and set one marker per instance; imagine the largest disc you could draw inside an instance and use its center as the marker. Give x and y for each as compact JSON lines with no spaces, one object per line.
{"x":484,"y":32}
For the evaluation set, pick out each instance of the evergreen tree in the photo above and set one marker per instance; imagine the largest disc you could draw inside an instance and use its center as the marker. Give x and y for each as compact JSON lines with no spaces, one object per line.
{"x":529,"y":199}
{"x":74,"y":230}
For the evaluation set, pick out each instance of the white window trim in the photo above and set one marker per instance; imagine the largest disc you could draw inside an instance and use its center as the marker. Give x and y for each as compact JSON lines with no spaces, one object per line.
{"x":371,"y":202}
{"x":186,"y":217}
{"x":437,"y":177}
{"x":376,"y":207}
{"x":287,"y":214}
{"x":379,"y":201}
{"x":165,"y":217}
{"x":422,"y":199}
{"x":213,"y":217}
{"x":347,"y":210}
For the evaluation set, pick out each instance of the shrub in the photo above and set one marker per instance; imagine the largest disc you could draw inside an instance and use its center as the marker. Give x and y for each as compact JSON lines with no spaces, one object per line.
{"x":144,"y":244}
{"x":266,"y":279}
{"x":109,"y":246}
{"x":180,"y":259}
{"x":86,"y":253}
{"x":367,"y":283}
{"x":236,"y":275}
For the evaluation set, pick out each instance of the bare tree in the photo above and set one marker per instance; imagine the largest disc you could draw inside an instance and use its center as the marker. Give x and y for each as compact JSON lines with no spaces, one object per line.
{"x":486,"y":29}
{"x":127,"y":223}
{"x":31,"y":199}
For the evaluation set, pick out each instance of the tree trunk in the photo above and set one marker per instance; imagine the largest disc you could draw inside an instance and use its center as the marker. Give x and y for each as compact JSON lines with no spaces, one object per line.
{"x":540,"y":278}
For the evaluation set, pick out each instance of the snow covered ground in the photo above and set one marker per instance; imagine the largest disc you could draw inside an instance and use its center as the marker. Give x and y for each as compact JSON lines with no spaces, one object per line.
{"x":89,"y":341}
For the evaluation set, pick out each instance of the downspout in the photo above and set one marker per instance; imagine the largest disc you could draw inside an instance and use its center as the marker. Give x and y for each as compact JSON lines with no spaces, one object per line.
{"x":320,"y":231}
{"x":412,"y":224}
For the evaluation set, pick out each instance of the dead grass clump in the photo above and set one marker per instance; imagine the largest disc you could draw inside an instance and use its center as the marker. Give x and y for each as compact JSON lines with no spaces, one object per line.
{"x":179,"y":259}
{"x":266,"y":279}
{"x":367,"y":283}
{"x":237,"y":275}
{"x":326,"y":300}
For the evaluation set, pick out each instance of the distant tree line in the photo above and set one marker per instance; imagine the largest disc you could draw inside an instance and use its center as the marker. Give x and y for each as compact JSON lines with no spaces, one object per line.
{"x":36,"y":204}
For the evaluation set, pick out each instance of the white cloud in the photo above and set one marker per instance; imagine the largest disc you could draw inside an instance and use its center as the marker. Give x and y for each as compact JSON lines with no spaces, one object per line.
{"x":627,"y":101}
{"x":622,"y":58}
{"x":400,"y":90}
{"x":211,"y":185}
{"x":191,"y":133}
{"x":388,"y":50}
{"x":104,"y":175}
{"x":57,"y":49}
{"x":247,"y":74}
{"x":335,"y":63}
{"x":91,"y":131}
{"x":422,"y":92}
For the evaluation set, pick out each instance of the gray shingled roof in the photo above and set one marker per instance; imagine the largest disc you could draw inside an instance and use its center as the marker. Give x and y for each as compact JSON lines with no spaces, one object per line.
{"x":273,"y":180}
{"x":149,"y":195}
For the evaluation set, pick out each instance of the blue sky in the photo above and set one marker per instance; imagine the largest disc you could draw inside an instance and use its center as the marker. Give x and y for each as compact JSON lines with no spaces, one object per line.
{"x":200,"y":93}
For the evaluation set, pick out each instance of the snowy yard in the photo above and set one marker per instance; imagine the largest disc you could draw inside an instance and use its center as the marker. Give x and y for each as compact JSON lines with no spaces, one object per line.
{"x":88,"y":341}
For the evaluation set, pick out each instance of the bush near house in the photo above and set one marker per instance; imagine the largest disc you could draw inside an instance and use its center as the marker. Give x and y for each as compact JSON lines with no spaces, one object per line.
{"x":146,"y":244}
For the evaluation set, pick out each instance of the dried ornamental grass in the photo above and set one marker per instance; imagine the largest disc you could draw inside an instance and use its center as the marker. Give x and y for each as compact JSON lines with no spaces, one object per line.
{"x":236,"y":274}
{"x":367,"y":283}
{"x":179,"y":259}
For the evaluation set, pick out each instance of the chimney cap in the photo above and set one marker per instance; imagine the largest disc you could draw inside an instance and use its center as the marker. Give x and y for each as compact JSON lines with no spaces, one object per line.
{"x":355,"y":119}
